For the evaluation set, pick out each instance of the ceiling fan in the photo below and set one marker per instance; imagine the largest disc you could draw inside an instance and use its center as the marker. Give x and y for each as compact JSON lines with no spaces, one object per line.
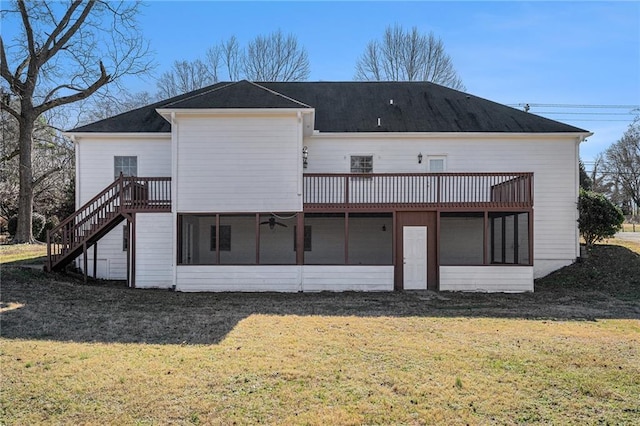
{"x":272,"y":223}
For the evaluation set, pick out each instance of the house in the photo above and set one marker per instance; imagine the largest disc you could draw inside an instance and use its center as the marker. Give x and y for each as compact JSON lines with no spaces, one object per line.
{"x":311,"y":186}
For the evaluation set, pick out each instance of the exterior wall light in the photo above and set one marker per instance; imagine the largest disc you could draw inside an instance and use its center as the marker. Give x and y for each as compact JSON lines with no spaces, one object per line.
{"x":420,"y":158}
{"x":305,"y":157}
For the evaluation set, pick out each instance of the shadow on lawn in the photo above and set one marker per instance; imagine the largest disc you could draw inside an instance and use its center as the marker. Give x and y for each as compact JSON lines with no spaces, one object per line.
{"x":53,"y":307}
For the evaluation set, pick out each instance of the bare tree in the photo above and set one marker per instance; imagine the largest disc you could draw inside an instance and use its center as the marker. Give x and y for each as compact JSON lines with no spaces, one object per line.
{"x":65,"y":53}
{"x":107,"y":105}
{"x":233,"y":58}
{"x":186,"y":76}
{"x":407,"y":56}
{"x":276,"y":57}
{"x":622,"y":165}
{"x":52,"y":166}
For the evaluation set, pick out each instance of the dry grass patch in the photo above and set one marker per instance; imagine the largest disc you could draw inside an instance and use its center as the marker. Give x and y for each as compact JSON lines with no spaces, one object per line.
{"x":10,"y":253}
{"x":341,"y":370}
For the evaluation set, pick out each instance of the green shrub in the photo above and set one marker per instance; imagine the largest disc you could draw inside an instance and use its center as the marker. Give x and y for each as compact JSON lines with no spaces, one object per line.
{"x":599,"y":218}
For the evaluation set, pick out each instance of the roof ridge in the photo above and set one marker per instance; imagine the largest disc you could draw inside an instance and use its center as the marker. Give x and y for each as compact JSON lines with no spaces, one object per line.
{"x":278,"y":93}
{"x":213,"y":89}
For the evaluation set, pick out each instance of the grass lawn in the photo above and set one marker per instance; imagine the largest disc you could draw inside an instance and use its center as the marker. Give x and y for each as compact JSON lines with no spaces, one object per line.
{"x":20,"y":252}
{"x":630,"y":227}
{"x":104,"y":354}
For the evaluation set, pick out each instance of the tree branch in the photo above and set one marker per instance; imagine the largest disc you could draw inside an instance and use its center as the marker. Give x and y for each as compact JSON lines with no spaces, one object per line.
{"x":64,"y":21}
{"x":11,"y":155}
{"x":57,"y":45}
{"x":104,"y":79}
{"x":9,"y":109}
{"x":27,"y":29}
{"x":14,"y":83}
{"x":48,"y":173}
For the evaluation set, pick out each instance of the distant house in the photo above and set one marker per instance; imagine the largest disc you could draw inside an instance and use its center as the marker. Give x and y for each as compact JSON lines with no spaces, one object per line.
{"x":370,"y":186}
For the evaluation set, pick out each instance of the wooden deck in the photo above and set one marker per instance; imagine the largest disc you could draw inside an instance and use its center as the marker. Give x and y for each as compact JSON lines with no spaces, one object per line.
{"x":373,"y":191}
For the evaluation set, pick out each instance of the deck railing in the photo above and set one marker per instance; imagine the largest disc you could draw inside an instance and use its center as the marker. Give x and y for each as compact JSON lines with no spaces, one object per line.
{"x":336,"y":190}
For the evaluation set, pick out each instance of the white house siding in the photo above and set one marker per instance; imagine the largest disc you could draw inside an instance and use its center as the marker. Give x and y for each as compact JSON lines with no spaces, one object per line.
{"x":95,"y":171}
{"x":154,"y":254}
{"x":347,"y":278}
{"x":509,"y":279}
{"x":286,"y":278}
{"x":112,"y":259}
{"x":552,"y":159}
{"x":241,"y":163}
{"x":239,"y":278}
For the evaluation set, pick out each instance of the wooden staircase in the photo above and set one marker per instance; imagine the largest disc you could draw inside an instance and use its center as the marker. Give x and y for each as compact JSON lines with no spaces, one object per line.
{"x":119,"y":201}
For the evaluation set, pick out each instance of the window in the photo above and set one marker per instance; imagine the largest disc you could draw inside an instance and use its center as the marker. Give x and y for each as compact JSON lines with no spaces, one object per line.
{"x":437,"y":164}
{"x":509,"y":238}
{"x":128,"y":166}
{"x":362,"y":164}
{"x":225,"y":238}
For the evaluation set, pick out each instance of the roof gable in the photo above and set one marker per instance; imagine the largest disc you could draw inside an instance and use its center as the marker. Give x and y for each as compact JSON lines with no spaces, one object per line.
{"x":349,"y":107}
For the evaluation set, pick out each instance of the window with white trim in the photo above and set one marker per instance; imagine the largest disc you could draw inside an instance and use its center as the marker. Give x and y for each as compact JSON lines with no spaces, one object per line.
{"x":128,"y":166}
{"x":362,"y":164}
{"x":437,"y":163}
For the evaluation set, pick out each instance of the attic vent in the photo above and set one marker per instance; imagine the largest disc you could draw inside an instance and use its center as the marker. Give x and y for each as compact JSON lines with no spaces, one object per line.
{"x":378,"y":121}
{"x":390,"y":101}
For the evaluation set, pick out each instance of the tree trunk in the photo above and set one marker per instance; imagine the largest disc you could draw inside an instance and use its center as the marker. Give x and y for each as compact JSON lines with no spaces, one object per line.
{"x":24,"y":232}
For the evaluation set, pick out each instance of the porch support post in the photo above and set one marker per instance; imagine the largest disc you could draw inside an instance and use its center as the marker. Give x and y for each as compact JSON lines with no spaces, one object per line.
{"x":516,"y":246}
{"x":503,"y":218}
{"x":128,"y":231}
{"x":217,"y":239}
{"x":131,"y":249}
{"x":95,"y":260}
{"x":346,"y":238}
{"x":485,"y":239}
{"x":300,"y":239}
{"x":85,"y":262}
{"x":257,"y":238}
{"x":531,"y":237}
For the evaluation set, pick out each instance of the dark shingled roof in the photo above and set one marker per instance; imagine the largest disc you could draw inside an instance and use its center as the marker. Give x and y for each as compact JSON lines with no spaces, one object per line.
{"x":242,"y":94}
{"x":350,"y":107}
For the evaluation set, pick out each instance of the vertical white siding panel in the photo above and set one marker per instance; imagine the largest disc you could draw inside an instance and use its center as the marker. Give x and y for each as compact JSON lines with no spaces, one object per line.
{"x":154,"y":251}
{"x":490,"y":279}
{"x":347,"y":278}
{"x":239,"y":163}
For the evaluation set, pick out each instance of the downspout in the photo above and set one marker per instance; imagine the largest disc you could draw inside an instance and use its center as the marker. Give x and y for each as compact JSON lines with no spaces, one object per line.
{"x":76,"y":145}
{"x":300,"y":221}
{"x":174,"y":200}
{"x":576,"y":186}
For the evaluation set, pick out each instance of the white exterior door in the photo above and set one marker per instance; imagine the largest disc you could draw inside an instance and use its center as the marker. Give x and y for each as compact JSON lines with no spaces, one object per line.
{"x":414,"y":248}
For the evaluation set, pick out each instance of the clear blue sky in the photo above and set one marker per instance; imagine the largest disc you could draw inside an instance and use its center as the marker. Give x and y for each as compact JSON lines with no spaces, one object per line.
{"x":576,"y":53}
